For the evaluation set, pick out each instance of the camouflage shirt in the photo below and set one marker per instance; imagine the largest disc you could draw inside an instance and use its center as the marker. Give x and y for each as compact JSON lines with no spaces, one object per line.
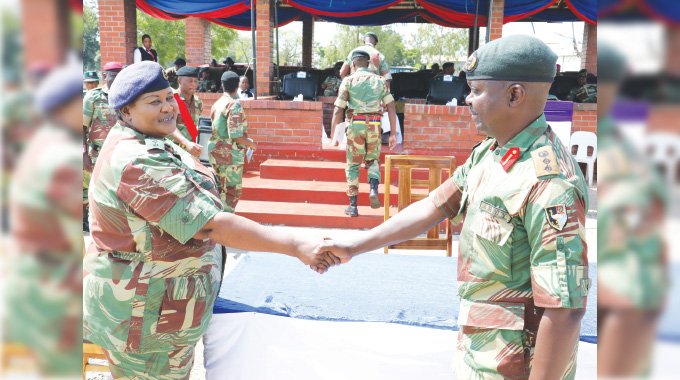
{"x":98,"y":118}
{"x":228,"y":123}
{"x":364,"y":92}
{"x":522,"y":244}
{"x":149,"y":285}
{"x":332,"y":85}
{"x":377,"y":63}
{"x":195,"y":109}
{"x":583,"y":94}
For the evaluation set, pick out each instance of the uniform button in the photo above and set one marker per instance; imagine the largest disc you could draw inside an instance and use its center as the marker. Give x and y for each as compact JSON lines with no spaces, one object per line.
{"x":498,"y":152}
{"x":185,"y":217}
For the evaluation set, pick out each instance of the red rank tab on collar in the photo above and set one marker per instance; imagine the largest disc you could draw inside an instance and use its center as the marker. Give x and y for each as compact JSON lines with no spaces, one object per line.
{"x":510,"y":158}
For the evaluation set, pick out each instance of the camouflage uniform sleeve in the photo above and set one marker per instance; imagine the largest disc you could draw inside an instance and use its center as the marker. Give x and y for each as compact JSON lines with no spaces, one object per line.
{"x":236,"y":121}
{"x":343,"y":94}
{"x":385,"y":68}
{"x":554,"y":218}
{"x":386,"y":96}
{"x":447,"y":197}
{"x":160,"y":192}
{"x":220,"y":124}
{"x":88,"y":109}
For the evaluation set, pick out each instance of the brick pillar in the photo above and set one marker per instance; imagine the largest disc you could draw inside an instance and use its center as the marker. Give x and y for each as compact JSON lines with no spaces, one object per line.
{"x":198,"y":44}
{"x":307,"y":41}
{"x":117,"y":30}
{"x":497,"y":14}
{"x":264,"y":42}
{"x":589,"y":51}
{"x":45,"y":31}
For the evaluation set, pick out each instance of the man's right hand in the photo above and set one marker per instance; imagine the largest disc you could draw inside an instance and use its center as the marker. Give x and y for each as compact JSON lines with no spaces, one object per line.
{"x":337,"y":249}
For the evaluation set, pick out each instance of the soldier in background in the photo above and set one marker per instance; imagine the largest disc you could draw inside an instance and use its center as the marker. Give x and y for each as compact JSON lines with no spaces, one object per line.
{"x":229,"y":141}
{"x":377,"y":63}
{"x":583,"y":92}
{"x":190,"y":107}
{"x":152,"y":273}
{"x":90,"y":80}
{"x":172,"y":72}
{"x":331,"y":84}
{"x":365,"y":95}
{"x":522,"y":262}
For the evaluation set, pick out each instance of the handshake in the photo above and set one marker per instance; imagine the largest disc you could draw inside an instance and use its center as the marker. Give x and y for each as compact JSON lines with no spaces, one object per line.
{"x":320,"y":255}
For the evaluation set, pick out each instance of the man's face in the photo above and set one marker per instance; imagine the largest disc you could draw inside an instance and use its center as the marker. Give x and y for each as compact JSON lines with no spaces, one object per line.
{"x":244,"y":84}
{"x":110,"y":76}
{"x":488,"y":105}
{"x":581,"y":80}
{"x":449,"y":70}
{"x":91,"y":85}
{"x":188,"y":85}
{"x":147,"y":43}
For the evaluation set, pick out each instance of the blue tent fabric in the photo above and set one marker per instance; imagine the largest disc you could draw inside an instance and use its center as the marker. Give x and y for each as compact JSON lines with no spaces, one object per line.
{"x":666,"y":10}
{"x":410,"y":290}
{"x":342,"y":8}
{"x":512,"y":7}
{"x":182,"y":7}
{"x":242,"y":21}
{"x":586,"y":9}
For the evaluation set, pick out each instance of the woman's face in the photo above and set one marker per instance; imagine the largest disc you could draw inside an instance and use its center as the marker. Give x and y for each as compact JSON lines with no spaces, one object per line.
{"x":153,"y":113}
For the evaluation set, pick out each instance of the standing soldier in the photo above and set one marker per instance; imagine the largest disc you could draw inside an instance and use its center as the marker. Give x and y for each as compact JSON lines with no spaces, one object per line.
{"x":229,"y":141}
{"x":91,"y":80}
{"x":98,"y":118}
{"x":522,"y":261}
{"x":190,"y":109}
{"x":172,"y":72}
{"x":365,"y":94}
{"x":377,"y":62}
{"x":152,"y":273}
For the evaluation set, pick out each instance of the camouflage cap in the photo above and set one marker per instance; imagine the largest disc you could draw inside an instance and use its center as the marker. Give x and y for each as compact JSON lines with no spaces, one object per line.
{"x":90,"y":76}
{"x":513,"y":58}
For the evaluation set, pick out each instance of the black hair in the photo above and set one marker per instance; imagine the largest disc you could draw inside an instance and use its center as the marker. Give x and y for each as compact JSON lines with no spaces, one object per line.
{"x":145,"y":36}
{"x":446,"y":65}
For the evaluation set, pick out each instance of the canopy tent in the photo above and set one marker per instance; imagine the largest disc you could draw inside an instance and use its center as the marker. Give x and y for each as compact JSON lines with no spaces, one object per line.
{"x":451,"y":13}
{"x":666,"y":11}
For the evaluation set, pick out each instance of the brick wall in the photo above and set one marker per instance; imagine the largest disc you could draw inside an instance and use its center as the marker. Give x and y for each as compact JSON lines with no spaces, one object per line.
{"x":589,"y":53}
{"x":264,"y":36}
{"x":584,"y":118}
{"x":117,"y":30}
{"x":198,"y":44}
{"x":45,"y":31}
{"x":307,"y":40}
{"x":436,"y":127}
{"x":497,"y":14}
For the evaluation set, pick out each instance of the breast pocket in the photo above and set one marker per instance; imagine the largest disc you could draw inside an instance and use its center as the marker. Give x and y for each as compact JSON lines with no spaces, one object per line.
{"x":492,"y":229}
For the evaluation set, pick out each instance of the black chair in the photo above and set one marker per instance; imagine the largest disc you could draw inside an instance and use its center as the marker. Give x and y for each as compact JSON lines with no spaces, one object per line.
{"x":562,"y":85}
{"x":204,"y":133}
{"x":300,"y":83}
{"x":410,"y":85}
{"x":442,"y":91}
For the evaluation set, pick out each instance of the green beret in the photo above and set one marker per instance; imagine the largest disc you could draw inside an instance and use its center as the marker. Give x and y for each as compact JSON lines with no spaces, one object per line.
{"x":371,"y":34}
{"x":90,"y":76}
{"x":187,"y":71}
{"x":611,"y":63}
{"x":518,"y":57}
{"x":360,"y":54}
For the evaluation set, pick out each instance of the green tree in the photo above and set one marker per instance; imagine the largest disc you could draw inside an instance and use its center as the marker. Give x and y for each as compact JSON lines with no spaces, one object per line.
{"x":91,"y":52}
{"x":223,"y":42}
{"x":349,"y":37}
{"x":439,"y":44}
{"x":168,"y":37}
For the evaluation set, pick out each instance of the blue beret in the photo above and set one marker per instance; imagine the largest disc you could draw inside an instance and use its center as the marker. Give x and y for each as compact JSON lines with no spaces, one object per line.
{"x":135,"y":80}
{"x":59,"y":87}
{"x":517,"y":57}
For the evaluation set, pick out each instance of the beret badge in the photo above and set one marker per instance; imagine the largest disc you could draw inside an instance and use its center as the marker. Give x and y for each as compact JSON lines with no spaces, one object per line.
{"x":471,"y":63}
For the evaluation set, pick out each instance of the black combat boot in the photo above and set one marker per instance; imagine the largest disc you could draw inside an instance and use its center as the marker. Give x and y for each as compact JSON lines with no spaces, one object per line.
{"x":375,"y":200}
{"x":352,"y":210}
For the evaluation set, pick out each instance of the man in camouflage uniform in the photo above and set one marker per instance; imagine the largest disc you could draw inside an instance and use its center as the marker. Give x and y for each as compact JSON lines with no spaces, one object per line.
{"x":633,"y":280}
{"x":187,"y":78}
{"x":331,"y":84}
{"x":98,"y":119}
{"x":205,"y":84}
{"x":583,"y":92}
{"x":152,"y":273}
{"x":229,"y":141}
{"x":172,"y":72}
{"x":522,"y":261}
{"x":377,"y":62}
{"x":90,"y":80}
{"x":365,"y":94}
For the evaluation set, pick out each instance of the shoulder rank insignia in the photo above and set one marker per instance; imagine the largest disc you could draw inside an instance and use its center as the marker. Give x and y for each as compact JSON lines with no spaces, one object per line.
{"x":544,"y":161}
{"x":556,"y":216}
{"x":510,"y":158}
{"x":154,"y":144}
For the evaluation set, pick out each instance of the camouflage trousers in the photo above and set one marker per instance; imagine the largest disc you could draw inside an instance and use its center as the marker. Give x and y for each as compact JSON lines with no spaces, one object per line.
{"x":231,"y":179}
{"x":173,"y":365}
{"x":86,"y":185}
{"x":483,"y":353}
{"x":363,"y":145}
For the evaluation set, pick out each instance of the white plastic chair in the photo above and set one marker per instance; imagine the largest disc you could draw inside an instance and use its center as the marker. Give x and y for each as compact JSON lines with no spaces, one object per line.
{"x":583,"y":140}
{"x":664,"y":150}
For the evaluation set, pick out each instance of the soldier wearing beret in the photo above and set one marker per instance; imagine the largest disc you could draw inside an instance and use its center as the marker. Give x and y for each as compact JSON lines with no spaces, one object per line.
{"x":152,"y":272}
{"x":98,"y":118}
{"x":90,"y":80}
{"x":229,"y":141}
{"x":522,"y":261}
{"x":172,"y":72}
{"x":377,"y":63}
{"x":365,"y":94}
{"x":190,"y":107}
{"x":583,"y":92}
